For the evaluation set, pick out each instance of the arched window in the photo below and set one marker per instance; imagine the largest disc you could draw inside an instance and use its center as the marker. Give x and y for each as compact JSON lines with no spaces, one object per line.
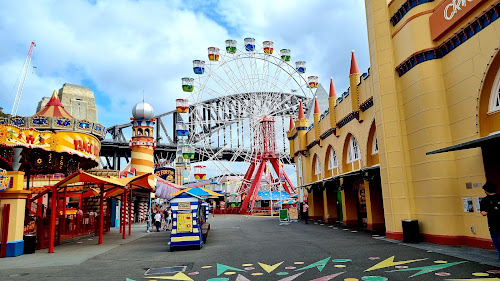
{"x":139,"y":132}
{"x":146,"y":132}
{"x":332,"y":161}
{"x":495,"y":95}
{"x":317,"y":166}
{"x":375,"y":144}
{"x":353,"y":154}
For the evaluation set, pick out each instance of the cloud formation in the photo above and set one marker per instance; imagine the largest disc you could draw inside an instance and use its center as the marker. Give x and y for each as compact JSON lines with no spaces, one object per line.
{"x":119,"y":48}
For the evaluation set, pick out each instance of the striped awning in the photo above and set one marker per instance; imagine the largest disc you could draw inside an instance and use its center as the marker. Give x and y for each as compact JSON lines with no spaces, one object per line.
{"x":54,"y":108}
{"x":164,"y":189}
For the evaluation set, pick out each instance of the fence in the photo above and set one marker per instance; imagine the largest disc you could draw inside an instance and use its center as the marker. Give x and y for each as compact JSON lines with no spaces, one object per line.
{"x":69,"y":227}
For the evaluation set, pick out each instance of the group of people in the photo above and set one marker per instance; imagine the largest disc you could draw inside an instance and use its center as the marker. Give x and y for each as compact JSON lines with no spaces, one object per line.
{"x":159,"y":217}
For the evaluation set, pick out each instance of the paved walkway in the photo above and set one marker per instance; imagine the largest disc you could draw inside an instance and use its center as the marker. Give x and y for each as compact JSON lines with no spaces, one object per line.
{"x":74,"y":251}
{"x":479,"y":255}
{"x":256,"y":248}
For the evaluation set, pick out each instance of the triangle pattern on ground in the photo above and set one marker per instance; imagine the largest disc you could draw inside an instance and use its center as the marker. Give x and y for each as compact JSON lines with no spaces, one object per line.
{"x":269,"y":268}
{"x":328,"y":277}
{"x":178,"y":276}
{"x":221,"y":268}
{"x":319,"y":264}
{"x":290,"y":278}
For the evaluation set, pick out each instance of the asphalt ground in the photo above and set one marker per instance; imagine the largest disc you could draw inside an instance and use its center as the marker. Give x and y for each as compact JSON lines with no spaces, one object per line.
{"x":247,"y":248}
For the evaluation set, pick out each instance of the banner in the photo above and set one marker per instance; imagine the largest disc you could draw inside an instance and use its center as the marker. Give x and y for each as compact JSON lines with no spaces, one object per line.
{"x":81,"y":144}
{"x":168,"y":174}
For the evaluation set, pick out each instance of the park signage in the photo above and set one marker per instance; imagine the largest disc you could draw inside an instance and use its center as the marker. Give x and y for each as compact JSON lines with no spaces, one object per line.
{"x":449,"y":13}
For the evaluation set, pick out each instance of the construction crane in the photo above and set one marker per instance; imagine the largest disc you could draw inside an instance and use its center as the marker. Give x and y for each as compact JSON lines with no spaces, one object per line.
{"x":24,"y":73}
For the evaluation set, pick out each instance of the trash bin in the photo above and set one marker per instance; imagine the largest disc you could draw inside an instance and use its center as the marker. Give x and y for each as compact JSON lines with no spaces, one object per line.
{"x":29,"y":243}
{"x":411,"y":231}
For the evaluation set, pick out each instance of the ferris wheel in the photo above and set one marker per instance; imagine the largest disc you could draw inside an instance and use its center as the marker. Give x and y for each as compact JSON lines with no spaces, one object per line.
{"x":227,"y":97}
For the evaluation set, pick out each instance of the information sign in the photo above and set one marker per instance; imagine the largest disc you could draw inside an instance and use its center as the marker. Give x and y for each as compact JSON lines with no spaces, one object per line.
{"x":184,"y":206}
{"x":284,"y":215}
{"x":294,"y":215}
{"x":184,"y":222}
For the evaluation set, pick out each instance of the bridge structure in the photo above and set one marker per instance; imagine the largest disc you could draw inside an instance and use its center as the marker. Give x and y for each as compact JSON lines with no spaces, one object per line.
{"x":215,"y":127}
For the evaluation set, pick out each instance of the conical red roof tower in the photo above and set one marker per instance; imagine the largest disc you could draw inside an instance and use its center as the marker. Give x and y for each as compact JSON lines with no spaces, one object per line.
{"x":54,"y":108}
{"x":292,"y":124}
{"x":316,"y":106}
{"x":301,"y":112}
{"x":354,"y":64}
{"x":332,"y":94}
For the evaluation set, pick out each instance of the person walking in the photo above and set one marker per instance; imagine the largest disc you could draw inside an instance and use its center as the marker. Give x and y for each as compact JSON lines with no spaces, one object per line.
{"x":305,"y":210}
{"x":168,"y":218}
{"x":158,"y":221}
{"x":490,"y":207}
{"x":148,"y":220}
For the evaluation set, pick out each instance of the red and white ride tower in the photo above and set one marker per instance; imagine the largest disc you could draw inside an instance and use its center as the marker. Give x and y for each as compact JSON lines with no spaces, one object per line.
{"x":265,"y":145}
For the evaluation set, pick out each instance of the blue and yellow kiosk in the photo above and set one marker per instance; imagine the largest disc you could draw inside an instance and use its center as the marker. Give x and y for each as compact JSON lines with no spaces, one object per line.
{"x":189,"y":218}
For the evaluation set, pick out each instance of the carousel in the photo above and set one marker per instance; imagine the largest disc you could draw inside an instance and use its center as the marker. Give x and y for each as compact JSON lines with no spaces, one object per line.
{"x":50,"y":143}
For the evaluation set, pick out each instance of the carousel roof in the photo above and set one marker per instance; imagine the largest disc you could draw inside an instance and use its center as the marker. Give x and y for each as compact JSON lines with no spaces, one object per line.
{"x":54,"y":108}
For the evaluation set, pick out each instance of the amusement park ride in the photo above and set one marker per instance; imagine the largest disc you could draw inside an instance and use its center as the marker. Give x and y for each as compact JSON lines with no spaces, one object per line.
{"x":259,"y":84}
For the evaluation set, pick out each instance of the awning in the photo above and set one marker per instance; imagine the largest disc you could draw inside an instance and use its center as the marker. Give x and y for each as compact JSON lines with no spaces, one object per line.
{"x":480,"y":142}
{"x":198,"y":192}
{"x":286,"y":202}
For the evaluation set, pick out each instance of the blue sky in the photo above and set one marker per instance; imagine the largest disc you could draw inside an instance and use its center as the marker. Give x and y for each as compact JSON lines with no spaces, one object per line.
{"x":120,"y":48}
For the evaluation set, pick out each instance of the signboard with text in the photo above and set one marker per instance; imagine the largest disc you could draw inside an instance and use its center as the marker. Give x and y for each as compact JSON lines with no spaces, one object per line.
{"x":449,"y":13}
{"x":184,"y":206}
{"x":168,"y":174}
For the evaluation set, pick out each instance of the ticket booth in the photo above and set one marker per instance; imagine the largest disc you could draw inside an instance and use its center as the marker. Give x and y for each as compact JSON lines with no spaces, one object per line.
{"x":188,"y":214}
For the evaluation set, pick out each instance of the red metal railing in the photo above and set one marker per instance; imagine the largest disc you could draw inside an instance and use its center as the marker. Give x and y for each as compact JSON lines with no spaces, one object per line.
{"x":69,"y":227}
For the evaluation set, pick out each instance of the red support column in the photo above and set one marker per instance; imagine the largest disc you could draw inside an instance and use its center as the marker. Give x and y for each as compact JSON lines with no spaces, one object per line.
{"x":53,"y":211}
{"x":101,"y":214}
{"x":130,"y":213}
{"x":4,"y":228}
{"x":124,"y":203}
{"x":255,"y":185}
{"x":121,"y":213}
{"x":65,"y":194}
{"x":288,"y":185}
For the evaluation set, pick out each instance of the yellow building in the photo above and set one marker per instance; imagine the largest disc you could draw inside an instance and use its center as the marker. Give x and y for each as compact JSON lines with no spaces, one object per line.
{"x":433,"y":87}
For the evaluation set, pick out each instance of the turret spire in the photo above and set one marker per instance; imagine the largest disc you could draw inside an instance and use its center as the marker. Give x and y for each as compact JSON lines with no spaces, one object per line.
{"x":332,"y":94}
{"x":316,"y":106}
{"x":292,"y":124}
{"x":301,"y":111}
{"x":354,"y":64}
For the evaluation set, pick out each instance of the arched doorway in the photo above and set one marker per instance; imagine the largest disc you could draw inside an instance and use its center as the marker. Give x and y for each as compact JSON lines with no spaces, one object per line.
{"x":489,"y":120}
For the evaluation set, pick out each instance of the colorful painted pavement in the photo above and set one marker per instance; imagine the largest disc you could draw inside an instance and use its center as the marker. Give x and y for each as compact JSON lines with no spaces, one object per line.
{"x":332,"y":268}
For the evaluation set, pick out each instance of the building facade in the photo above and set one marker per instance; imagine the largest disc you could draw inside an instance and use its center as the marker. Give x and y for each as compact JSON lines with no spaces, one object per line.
{"x":79,"y":101}
{"x":413,"y":138}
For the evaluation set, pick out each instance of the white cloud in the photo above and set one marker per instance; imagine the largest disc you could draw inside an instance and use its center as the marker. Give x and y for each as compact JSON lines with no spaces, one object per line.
{"x":124,"y":47}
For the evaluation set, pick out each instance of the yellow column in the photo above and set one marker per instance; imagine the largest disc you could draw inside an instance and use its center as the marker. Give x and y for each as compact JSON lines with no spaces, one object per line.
{"x":349,"y":207}
{"x":16,"y":197}
{"x":374,"y":206}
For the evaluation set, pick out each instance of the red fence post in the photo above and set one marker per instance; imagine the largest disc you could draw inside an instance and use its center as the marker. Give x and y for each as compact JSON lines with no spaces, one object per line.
{"x":5,"y":230}
{"x":53,"y":213}
{"x":130,"y":213}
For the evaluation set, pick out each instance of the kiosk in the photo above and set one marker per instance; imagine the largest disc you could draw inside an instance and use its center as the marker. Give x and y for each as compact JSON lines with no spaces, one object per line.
{"x":188,"y":215}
